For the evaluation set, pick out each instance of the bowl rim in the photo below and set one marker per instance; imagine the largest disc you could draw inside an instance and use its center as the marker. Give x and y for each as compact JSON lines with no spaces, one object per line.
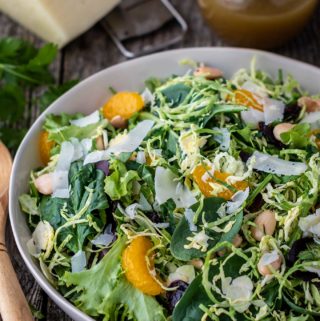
{"x":56,"y":296}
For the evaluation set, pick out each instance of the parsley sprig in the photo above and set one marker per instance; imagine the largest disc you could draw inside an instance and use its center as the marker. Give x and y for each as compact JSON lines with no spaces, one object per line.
{"x":23,"y":68}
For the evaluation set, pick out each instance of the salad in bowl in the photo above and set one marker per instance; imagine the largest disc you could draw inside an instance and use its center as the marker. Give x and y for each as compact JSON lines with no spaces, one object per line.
{"x":196,"y":199}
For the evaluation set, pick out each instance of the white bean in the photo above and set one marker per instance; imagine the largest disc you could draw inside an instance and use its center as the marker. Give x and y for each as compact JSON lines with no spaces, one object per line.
{"x":311,"y":104}
{"x":208,"y":72}
{"x":265,"y":224}
{"x":118,"y":122}
{"x":236,"y":242}
{"x":197,"y":263}
{"x":281,"y":128}
{"x":44,"y":184}
{"x":266,"y":270}
{"x":100,"y":143}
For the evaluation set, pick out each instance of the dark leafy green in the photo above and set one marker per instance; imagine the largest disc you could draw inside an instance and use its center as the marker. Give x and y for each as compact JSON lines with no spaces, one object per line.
{"x":23,"y":68}
{"x":172,"y":143}
{"x":31,"y":68}
{"x":182,"y":231}
{"x":176,"y":94}
{"x":297,"y":308}
{"x":188,"y":308}
{"x":12,"y":102}
{"x":85,"y":182}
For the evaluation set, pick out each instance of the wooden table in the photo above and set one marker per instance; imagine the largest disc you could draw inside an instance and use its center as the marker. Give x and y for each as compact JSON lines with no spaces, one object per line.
{"x":94,"y":51}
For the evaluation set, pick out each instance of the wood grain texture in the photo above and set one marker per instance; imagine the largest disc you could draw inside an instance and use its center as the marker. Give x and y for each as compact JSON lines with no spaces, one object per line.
{"x":94,"y":51}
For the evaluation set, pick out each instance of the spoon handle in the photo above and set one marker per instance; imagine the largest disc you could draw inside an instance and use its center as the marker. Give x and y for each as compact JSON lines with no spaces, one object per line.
{"x":13,"y":304}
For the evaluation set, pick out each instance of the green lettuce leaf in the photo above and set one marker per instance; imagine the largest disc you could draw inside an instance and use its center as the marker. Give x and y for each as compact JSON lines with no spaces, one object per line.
{"x":143,"y":307}
{"x":60,"y":130}
{"x":96,"y":284}
{"x":297,"y":137}
{"x":29,"y":204}
{"x":119,"y":184}
{"x":54,"y":122}
{"x":102,"y":289}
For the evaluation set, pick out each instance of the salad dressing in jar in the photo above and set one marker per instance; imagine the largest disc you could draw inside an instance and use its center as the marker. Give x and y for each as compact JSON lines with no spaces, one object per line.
{"x":257,"y":23}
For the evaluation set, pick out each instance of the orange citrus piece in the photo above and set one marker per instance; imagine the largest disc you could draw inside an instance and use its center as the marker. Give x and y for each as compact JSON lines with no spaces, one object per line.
{"x":207,"y":189}
{"x":135,"y":266}
{"x":246,"y":98}
{"x":123,"y":104}
{"x":317,"y":140}
{"x":45,"y":146}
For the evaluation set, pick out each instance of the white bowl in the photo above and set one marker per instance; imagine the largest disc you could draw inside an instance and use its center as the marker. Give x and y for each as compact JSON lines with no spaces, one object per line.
{"x":91,"y":93}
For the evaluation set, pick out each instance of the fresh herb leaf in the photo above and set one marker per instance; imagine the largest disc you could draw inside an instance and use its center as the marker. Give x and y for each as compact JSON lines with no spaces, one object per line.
{"x":12,"y":137}
{"x":16,"y":51}
{"x":32,"y":72}
{"x":54,"y":92}
{"x":12,"y":102}
{"x":44,"y":56}
{"x":22,"y":68}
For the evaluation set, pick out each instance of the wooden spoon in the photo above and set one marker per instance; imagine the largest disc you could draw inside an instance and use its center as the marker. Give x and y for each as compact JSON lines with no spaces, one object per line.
{"x":13,"y":304}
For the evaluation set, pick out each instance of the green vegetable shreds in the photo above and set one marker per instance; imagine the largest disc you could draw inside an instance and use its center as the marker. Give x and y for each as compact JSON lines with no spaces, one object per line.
{"x":202,"y":206}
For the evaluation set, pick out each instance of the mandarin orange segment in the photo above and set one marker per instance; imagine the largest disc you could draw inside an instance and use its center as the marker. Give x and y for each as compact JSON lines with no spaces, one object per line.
{"x":206,"y":188}
{"x":135,"y":266}
{"x":316,"y":133}
{"x":123,"y":104}
{"x":246,"y":98}
{"x":45,"y":146}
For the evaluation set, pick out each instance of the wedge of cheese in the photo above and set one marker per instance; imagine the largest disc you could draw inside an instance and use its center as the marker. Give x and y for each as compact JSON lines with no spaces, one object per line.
{"x":57,"y":21}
